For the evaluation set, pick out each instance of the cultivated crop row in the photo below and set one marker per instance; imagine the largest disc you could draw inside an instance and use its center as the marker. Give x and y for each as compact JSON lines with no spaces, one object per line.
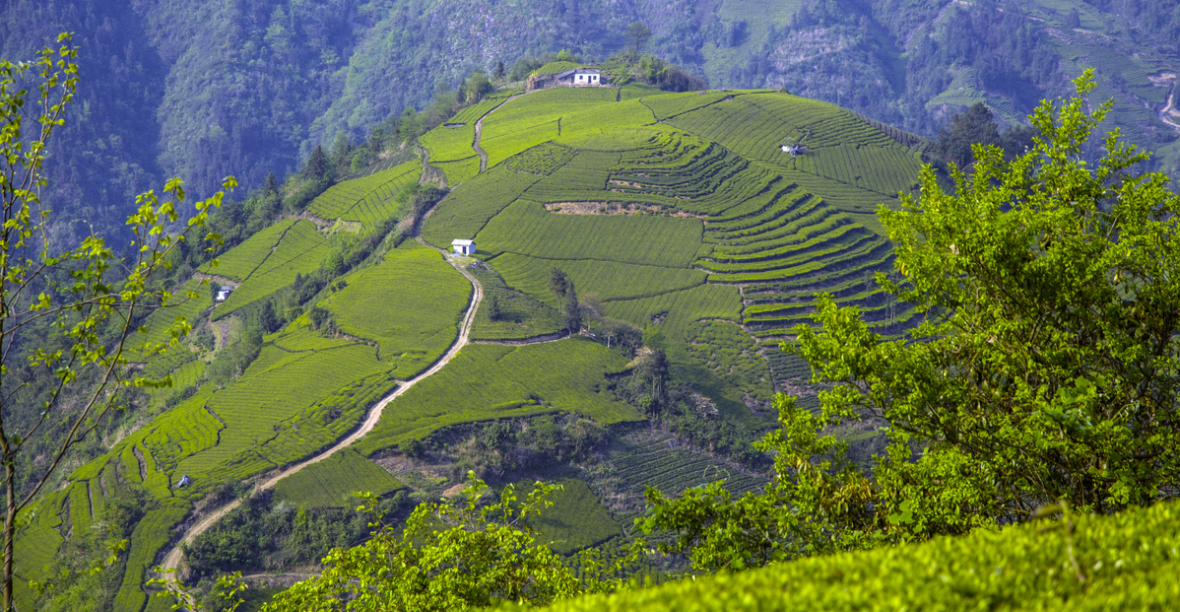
{"x":331,"y":482}
{"x":726,"y":349}
{"x":588,"y":172}
{"x":410,"y":305}
{"x":300,"y":252}
{"x":678,"y":310}
{"x":527,"y":228}
{"x":239,"y":262}
{"x":606,"y":279}
{"x":542,"y":159}
{"x":469,"y":207}
{"x":486,"y":381}
{"x":369,"y":199}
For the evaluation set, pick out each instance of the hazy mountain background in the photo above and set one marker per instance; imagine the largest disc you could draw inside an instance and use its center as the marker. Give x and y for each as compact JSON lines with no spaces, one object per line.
{"x":207,"y":88}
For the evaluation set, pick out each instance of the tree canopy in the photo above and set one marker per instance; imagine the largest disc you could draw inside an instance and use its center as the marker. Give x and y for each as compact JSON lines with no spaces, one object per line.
{"x":1046,"y":368}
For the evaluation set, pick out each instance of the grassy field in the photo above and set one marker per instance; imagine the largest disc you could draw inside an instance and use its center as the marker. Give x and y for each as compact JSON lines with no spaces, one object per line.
{"x":332,"y":482}
{"x":487,"y":381}
{"x":410,"y":305}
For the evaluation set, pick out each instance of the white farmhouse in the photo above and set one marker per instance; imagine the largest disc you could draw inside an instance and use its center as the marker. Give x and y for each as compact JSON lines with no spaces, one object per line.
{"x":581,"y":77}
{"x":223,"y":293}
{"x":463,"y":247}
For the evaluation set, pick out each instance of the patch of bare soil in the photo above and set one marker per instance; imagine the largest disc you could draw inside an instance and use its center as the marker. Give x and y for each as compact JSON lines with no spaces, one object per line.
{"x":614,"y":208}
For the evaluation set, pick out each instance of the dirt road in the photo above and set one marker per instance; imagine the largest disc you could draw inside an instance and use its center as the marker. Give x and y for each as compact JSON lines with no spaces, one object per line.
{"x":483,"y":156}
{"x":174,"y":557}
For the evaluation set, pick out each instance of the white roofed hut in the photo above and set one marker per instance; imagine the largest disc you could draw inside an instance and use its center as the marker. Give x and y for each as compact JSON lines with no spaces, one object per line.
{"x":463,"y":248}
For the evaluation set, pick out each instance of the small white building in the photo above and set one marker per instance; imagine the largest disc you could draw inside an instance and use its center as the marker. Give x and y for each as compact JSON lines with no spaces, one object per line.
{"x":223,"y":293}
{"x":463,"y":247}
{"x":582,"y":77}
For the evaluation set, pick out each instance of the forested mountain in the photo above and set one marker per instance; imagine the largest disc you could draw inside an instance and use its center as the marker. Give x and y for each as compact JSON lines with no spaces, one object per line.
{"x":247,"y":87}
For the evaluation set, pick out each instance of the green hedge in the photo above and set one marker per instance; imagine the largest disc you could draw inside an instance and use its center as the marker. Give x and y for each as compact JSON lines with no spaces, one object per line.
{"x":1129,"y":562}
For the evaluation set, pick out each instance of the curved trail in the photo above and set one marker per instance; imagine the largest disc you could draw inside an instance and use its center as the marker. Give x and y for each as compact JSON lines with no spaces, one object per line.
{"x":1166,"y":113}
{"x":483,"y":155}
{"x":174,"y":557}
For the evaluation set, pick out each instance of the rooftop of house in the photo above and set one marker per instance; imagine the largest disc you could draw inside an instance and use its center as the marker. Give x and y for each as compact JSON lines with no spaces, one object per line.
{"x":578,"y":71}
{"x":462,"y":242}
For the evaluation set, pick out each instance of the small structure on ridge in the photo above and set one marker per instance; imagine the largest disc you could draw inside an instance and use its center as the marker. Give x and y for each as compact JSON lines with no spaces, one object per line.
{"x":463,"y":247}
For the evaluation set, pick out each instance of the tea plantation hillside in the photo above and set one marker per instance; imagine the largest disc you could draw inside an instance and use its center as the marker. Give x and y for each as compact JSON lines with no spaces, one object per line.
{"x":677,"y":208}
{"x":308,"y":386}
{"x":1109,"y":563}
{"x":675,"y":216}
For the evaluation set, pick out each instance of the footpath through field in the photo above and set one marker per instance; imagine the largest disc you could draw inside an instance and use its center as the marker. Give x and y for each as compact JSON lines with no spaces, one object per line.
{"x":483,"y":155}
{"x":174,"y":557}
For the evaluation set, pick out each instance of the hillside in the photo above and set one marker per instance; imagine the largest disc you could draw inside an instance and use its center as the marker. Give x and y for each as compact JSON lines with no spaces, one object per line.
{"x":1108,"y":563}
{"x":675,"y":213}
{"x":248,"y":87}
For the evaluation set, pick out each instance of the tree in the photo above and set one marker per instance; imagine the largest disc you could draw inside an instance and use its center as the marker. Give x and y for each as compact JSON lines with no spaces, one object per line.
{"x":1046,"y":369}
{"x":272,"y":184}
{"x":449,"y":557}
{"x":499,"y":71}
{"x":976,"y":125}
{"x":637,"y":35}
{"x":477,"y":86}
{"x":558,"y":284}
{"x":317,"y":165}
{"x":573,"y":314}
{"x":68,"y":313}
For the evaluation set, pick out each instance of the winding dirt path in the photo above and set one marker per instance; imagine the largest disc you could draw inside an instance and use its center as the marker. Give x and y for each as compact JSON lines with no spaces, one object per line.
{"x":1169,"y":111}
{"x":174,"y":557}
{"x":483,"y":156}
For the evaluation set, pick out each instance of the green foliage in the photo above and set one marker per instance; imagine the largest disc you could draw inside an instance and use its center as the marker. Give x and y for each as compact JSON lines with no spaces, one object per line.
{"x":606,"y":279}
{"x":544,"y":159}
{"x":725,"y":348}
{"x":1048,"y":373}
{"x":1084,"y":562}
{"x":332,"y":482}
{"x":409,"y":304}
{"x":300,"y":250}
{"x":487,"y":381}
{"x":484,"y":553}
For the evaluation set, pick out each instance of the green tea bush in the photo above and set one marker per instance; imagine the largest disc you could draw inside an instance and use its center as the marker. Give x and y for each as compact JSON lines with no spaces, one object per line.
{"x":331,"y":482}
{"x":1121,"y":562}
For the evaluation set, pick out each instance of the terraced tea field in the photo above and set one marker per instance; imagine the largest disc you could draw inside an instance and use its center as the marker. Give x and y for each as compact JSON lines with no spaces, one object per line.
{"x":332,"y":482}
{"x":368,"y":200}
{"x":676,"y":211}
{"x":690,"y":190}
{"x":264,"y":267}
{"x":490,"y":381}
{"x":376,"y":304}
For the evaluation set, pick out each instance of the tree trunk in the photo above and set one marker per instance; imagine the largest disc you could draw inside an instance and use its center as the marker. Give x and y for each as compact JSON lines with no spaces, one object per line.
{"x":9,"y":533}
